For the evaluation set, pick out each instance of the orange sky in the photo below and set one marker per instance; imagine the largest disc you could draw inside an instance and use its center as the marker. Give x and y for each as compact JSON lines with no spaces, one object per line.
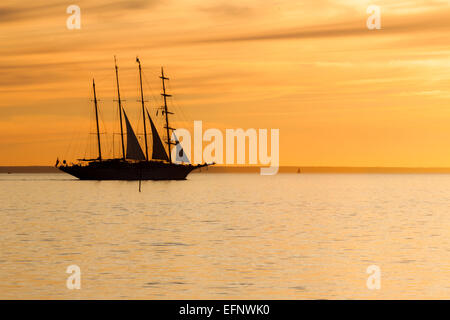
{"x":340,"y":94}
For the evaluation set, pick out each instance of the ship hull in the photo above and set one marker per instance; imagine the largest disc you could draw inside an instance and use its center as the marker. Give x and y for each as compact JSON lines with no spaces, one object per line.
{"x":122,"y":170}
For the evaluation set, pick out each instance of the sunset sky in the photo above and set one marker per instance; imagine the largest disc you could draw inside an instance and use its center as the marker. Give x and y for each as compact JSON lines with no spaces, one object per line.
{"x":341,"y":95}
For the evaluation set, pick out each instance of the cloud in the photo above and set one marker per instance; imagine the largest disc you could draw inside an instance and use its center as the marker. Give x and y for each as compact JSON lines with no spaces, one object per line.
{"x":25,"y":12}
{"x":228,"y":10}
{"x":431,"y":21}
{"x":19,"y":13}
{"x":8,"y":14}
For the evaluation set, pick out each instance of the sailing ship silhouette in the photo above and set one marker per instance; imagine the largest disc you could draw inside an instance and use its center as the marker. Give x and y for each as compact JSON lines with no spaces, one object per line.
{"x":135,"y":163}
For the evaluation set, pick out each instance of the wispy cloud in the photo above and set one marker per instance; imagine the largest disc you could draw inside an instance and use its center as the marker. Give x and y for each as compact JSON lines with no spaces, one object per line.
{"x":227,"y":10}
{"x":436,"y":20}
{"x":314,"y":60}
{"x":19,"y":12}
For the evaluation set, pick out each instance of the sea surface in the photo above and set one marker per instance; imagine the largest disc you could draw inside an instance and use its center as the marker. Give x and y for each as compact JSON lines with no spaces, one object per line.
{"x":226,"y":236}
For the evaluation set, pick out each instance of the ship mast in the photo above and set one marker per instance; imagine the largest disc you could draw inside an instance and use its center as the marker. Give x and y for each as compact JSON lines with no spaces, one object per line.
{"x":166,"y":112}
{"x":96,"y":120}
{"x":120,"y":107}
{"x":143,"y":108}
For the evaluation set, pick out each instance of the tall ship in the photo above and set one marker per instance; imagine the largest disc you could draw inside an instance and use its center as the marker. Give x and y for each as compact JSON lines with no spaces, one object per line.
{"x":135,"y":163}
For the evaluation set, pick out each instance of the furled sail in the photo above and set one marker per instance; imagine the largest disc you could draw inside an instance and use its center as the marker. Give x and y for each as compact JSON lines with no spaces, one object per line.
{"x":158,"y":148}
{"x":134,"y":150}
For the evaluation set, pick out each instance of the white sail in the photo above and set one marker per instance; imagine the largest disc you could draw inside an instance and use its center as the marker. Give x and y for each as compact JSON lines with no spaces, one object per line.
{"x":181,"y":156}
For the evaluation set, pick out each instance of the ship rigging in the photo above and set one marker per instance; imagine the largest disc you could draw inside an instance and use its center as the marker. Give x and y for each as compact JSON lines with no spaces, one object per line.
{"x":134,"y":163}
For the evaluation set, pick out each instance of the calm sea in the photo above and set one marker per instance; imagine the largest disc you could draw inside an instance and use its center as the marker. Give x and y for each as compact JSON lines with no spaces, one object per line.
{"x":226,"y":236}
